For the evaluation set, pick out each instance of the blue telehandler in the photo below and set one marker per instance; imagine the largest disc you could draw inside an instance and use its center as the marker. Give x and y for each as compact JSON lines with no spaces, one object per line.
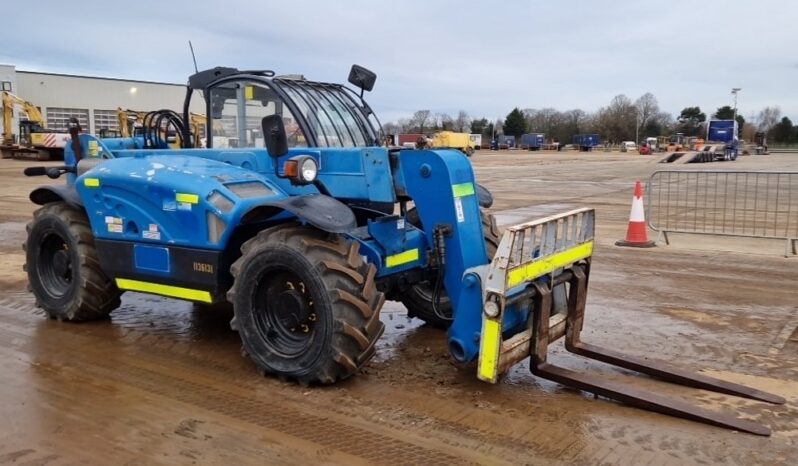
{"x":295,"y":214}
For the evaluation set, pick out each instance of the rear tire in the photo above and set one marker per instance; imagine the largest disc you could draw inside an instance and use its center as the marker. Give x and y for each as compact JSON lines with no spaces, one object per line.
{"x":63,"y":268}
{"x":418,"y":298}
{"x":305,"y":304}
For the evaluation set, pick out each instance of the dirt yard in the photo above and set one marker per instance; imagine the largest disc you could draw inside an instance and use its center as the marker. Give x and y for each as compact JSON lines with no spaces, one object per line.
{"x":163,"y":382}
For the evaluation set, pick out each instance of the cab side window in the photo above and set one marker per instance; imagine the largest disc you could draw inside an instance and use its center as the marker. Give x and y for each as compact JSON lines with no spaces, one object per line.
{"x":237,"y":109}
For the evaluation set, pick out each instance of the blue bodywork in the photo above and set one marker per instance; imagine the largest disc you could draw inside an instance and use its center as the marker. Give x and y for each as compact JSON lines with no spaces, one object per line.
{"x":724,"y":131}
{"x":586,"y":142}
{"x":533,"y":141}
{"x":163,"y":204}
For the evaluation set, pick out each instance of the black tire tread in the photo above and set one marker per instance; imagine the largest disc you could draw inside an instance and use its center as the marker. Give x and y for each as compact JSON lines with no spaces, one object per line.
{"x":97,"y":295}
{"x":349,"y":281}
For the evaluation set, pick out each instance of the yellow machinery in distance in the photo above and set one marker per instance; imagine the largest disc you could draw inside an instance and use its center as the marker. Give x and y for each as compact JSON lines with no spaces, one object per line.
{"x":131,"y":120}
{"x":34,"y":141}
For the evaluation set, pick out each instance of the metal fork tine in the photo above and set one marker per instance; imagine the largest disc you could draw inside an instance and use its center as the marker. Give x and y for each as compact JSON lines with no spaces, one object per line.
{"x":645,"y":399}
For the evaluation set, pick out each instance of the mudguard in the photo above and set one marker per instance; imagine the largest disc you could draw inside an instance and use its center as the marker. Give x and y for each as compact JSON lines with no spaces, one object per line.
{"x":484,"y":197}
{"x":47,"y":194}
{"x":321,"y":211}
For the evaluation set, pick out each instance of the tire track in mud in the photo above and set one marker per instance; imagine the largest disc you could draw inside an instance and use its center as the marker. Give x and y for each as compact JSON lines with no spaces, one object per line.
{"x":319,"y":429}
{"x":231,"y":392}
{"x":462,"y":432}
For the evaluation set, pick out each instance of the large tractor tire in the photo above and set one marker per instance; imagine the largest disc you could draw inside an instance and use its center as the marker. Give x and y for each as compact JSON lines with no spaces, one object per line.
{"x":305,"y":304}
{"x":418,"y":298}
{"x":63,"y":268}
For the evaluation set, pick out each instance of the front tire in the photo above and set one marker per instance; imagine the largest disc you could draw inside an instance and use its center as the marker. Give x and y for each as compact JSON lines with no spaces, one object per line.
{"x":63,"y":267}
{"x":305,"y":304}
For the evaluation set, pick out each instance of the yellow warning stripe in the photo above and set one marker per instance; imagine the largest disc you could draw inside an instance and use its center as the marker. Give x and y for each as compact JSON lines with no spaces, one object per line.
{"x":410,"y":255}
{"x":548,"y":264}
{"x":489,"y":345}
{"x":164,"y":290}
{"x":189,"y":198}
{"x":463,"y":189}
{"x":91,"y":182}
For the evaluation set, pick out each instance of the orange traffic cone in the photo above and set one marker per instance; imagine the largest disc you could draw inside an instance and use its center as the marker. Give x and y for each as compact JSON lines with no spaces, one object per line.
{"x":637,"y":234}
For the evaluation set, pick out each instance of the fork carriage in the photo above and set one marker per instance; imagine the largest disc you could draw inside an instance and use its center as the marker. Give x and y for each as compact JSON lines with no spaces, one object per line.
{"x":543,"y":266}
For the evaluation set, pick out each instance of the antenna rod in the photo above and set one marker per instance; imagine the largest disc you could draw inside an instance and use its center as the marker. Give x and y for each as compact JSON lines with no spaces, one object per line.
{"x":196,"y":70}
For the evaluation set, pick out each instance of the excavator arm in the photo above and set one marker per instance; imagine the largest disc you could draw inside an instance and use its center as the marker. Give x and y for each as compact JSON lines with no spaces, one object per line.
{"x":9,"y":102}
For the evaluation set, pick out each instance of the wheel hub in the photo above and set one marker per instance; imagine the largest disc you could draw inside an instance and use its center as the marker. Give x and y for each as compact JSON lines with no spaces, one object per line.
{"x":61,"y":263}
{"x":292,"y":308}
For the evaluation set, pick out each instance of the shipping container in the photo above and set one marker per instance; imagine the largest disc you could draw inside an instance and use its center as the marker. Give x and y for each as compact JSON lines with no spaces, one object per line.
{"x":585,"y":142}
{"x":533,"y":141}
{"x":505,"y":141}
{"x":408,"y":138}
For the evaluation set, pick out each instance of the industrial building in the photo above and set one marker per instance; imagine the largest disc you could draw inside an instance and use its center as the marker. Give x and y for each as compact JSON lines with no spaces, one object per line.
{"x":92,"y":100}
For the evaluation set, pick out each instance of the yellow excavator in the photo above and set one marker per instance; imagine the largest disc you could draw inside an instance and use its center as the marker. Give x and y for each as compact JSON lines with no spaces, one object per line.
{"x":34,"y":141}
{"x":132,"y":121}
{"x":198,"y":124}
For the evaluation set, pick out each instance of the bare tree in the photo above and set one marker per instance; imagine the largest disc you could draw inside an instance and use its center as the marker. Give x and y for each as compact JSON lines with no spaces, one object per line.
{"x":405,"y":125}
{"x":420,"y":120}
{"x":768,"y":118}
{"x":617,"y":121}
{"x":443,"y":121}
{"x":462,"y":123}
{"x":647,"y":110}
{"x":391,"y":128}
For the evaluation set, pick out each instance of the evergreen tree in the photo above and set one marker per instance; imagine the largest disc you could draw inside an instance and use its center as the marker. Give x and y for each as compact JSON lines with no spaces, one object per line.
{"x":515,"y":123}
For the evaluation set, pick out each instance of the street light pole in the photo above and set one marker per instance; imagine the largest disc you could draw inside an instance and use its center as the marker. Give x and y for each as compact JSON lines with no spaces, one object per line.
{"x":637,"y":128}
{"x":734,"y":92}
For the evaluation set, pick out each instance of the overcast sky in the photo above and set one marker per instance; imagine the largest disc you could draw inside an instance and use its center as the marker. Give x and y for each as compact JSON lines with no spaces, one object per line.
{"x":483,"y":57}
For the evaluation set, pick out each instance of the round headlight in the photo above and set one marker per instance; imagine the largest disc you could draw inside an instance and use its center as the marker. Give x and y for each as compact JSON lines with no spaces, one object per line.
{"x":491,"y":309}
{"x":308,"y":170}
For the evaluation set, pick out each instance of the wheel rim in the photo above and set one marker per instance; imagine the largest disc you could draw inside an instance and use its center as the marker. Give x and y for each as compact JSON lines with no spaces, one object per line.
{"x":284,"y":312}
{"x":55,"y":267}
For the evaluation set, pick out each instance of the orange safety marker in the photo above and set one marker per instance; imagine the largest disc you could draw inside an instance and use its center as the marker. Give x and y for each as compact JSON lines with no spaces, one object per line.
{"x":637,"y":233}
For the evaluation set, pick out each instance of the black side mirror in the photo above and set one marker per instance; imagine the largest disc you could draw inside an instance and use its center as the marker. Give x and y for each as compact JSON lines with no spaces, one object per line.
{"x":362,"y":77}
{"x":274,"y":135}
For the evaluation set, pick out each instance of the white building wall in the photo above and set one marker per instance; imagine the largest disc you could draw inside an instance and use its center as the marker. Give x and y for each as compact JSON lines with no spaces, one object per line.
{"x":47,"y":90}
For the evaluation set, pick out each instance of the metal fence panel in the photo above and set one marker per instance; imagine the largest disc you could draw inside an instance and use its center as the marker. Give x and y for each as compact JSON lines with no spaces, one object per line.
{"x":733,"y":203}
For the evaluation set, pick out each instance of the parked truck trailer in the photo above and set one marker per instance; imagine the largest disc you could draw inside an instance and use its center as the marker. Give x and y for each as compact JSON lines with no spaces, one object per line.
{"x":722,"y":139}
{"x":585,"y":142}
{"x":533,"y":141}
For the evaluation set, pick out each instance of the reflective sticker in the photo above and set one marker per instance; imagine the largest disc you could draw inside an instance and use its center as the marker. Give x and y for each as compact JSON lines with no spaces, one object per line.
{"x":115,"y":228}
{"x":458,"y":205}
{"x":184,"y":206}
{"x":188,"y":198}
{"x":91,"y":182}
{"x":489,"y":346}
{"x":110,"y":219}
{"x":402,"y":258}
{"x":400,"y":224}
{"x":164,"y":290}
{"x":548,"y":264}
{"x":93,"y":148}
{"x":249,"y":92}
{"x":463,"y":189}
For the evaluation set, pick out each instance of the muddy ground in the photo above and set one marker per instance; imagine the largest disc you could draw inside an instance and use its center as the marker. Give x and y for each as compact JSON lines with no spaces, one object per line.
{"x":162,"y":382}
